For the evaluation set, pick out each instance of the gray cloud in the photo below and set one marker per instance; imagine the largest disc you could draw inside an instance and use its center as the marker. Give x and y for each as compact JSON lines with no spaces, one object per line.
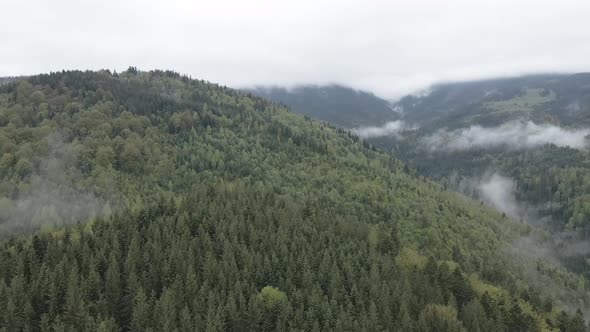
{"x":514,"y":134}
{"x":389,"y":47}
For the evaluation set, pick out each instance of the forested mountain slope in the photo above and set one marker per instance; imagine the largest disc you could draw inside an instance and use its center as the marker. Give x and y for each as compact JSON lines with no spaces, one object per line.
{"x":501,"y":125}
{"x":198,"y":207}
{"x":530,"y":131}
{"x":558,"y":99}
{"x":339,"y":105}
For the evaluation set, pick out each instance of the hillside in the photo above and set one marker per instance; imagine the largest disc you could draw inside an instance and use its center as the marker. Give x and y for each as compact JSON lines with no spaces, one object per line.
{"x":531,"y":132}
{"x":341,"y":106}
{"x":193,"y":206}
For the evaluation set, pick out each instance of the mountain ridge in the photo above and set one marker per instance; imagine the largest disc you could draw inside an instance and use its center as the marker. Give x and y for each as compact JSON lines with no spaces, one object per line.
{"x":337,"y":104}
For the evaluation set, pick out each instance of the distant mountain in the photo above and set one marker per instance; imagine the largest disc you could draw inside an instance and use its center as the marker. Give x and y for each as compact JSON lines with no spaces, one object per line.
{"x":559,"y":99}
{"x":342,"y":106}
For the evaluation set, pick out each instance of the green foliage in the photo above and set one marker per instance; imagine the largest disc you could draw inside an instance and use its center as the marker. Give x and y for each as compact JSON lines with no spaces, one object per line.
{"x":553,"y":183}
{"x":439,"y":318}
{"x":214,"y":195}
{"x":525,"y":102}
{"x":206,"y":263}
{"x":272,"y":304}
{"x":271,"y":298}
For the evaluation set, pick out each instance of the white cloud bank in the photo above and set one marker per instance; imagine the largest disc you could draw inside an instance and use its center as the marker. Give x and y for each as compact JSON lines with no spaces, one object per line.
{"x":389,"y":47}
{"x":392,"y":128}
{"x":514,"y":134}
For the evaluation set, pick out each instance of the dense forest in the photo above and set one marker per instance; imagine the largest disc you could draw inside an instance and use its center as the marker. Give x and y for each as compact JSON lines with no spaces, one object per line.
{"x":152,"y":201}
{"x":552,"y":180}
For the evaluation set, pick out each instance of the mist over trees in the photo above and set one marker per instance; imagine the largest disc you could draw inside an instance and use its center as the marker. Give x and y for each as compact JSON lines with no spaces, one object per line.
{"x":531,"y":130}
{"x":218,"y":210}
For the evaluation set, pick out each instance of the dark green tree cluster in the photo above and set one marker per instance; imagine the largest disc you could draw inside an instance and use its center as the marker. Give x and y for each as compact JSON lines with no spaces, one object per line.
{"x":239,"y":258}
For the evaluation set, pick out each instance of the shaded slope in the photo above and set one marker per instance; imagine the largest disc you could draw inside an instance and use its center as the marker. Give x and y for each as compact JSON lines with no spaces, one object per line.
{"x":341,"y":106}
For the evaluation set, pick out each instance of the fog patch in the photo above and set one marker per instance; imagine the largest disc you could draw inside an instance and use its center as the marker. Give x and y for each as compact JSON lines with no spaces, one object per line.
{"x":496,"y":191}
{"x":512,"y":135}
{"x":539,"y":252}
{"x":574,"y":107}
{"x":422,"y":93}
{"x":392,"y":128}
{"x":499,"y":192}
{"x":51,"y":197}
{"x":48,"y":205}
{"x":544,"y":256}
{"x":399,"y":109}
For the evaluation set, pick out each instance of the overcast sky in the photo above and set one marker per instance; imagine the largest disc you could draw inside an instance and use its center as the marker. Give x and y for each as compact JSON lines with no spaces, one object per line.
{"x":388,"y":47}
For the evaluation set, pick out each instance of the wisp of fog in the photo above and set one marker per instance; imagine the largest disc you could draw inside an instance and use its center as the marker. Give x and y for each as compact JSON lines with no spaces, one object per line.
{"x":498,"y":191}
{"x":514,"y":134}
{"x":392,"y":128}
{"x":495,"y":190}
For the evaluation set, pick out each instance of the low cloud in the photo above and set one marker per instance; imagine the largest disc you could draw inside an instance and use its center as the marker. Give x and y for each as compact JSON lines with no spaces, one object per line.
{"x":498,"y":191}
{"x":422,"y":93}
{"x":49,"y":204}
{"x":392,"y":128}
{"x":540,"y":253}
{"x":397,"y":109}
{"x":50,"y":197}
{"x":541,"y":259}
{"x":514,"y":134}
